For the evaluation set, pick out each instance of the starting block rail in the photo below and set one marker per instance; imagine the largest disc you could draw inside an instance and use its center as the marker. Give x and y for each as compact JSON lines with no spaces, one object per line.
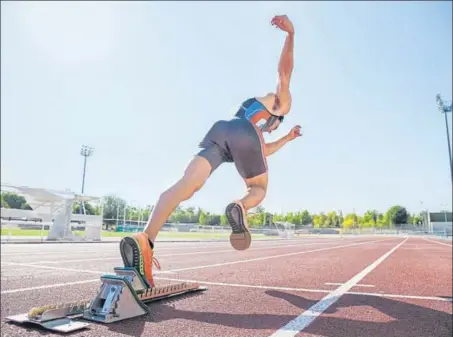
{"x":120,"y":296}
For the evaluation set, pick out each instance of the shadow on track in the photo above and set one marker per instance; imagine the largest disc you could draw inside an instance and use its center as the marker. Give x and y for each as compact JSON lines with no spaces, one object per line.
{"x":403,"y":319}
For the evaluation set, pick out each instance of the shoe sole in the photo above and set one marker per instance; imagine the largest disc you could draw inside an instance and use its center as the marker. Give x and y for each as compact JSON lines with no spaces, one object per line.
{"x":240,"y":238}
{"x":129,"y":243}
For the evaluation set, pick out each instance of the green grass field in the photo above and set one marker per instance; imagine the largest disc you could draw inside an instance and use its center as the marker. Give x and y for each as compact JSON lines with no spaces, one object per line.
{"x":106,"y":234}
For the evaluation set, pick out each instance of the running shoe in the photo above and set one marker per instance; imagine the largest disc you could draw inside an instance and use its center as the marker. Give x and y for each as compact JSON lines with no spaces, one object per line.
{"x":136,"y":252}
{"x":236,"y":216}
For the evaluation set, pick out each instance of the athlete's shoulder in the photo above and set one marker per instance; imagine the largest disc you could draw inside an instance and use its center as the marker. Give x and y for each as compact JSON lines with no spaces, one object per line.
{"x":268,"y":101}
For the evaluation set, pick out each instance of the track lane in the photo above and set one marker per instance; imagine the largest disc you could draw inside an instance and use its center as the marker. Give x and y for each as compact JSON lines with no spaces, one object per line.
{"x":245,"y":311}
{"x":421,"y":272}
{"x":410,"y":270}
{"x":45,"y":274}
{"x":369,"y":316}
{"x":242,"y":312}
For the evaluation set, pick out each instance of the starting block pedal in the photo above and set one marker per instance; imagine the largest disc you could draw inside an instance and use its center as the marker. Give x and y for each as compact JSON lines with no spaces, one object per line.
{"x":120,"y":296}
{"x":55,"y":317}
{"x":137,"y":281}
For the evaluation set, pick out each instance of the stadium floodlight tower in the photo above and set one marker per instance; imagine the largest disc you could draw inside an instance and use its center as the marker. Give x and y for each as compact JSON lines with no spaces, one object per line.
{"x":86,"y":152}
{"x":445,"y":107}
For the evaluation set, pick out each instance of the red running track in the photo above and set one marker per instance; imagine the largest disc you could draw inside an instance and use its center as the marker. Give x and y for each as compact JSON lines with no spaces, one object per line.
{"x":373,"y":286}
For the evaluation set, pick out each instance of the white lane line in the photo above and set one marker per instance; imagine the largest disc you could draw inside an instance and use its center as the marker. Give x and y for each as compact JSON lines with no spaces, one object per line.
{"x":357,"y":285}
{"x":298,"y":324}
{"x":190,"y":268}
{"x":55,"y":268}
{"x":307,"y":290}
{"x":209,"y":265}
{"x":240,"y":285}
{"x":409,"y":297}
{"x":89,"y":271}
{"x":178,"y":254}
{"x":194,"y":267}
{"x":439,"y":243}
{"x":214,"y":245}
{"x":237,"y":285}
{"x":274,"y":256}
{"x":12,"y":291}
{"x":183,"y":269}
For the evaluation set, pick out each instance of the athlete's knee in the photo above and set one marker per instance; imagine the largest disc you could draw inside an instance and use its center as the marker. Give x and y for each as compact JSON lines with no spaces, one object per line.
{"x":192,"y":180}
{"x":259,"y":182}
{"x":195,"y":176}
{"x":182,"y":190}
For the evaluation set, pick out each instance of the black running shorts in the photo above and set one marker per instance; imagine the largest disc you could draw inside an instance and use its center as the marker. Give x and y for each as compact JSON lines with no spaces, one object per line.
{"x":238,"y":141}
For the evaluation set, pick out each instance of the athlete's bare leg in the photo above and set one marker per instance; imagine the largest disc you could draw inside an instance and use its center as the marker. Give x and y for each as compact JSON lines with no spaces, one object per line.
{"x":195,"y":175}
{"x":256,"y":191}
{"x":236,"y":212}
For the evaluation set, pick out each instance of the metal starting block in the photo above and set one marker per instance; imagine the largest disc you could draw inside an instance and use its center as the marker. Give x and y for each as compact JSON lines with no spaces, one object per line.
{"x":120,"y":296}
{"x":55,"y":317}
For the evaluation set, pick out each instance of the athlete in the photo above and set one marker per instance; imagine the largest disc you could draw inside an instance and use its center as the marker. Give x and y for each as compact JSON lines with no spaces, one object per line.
{"x":239,"y":140}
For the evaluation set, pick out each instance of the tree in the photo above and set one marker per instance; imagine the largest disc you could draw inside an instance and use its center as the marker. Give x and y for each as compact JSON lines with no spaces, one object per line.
{"x":214,"y":220}
{"x":332,"y":219}
{"x":255,"y":220}
{"x":397,"y":215}
{"x":203,"y":218}
{"x":305,"y":218}
{"x":320,"y":220}
{"x":350,"y":220}
{"x":89,"y":209}
{"x":190,"y":212}
{"x":415,"y":219}
{"x":297,"y":219}
{"x":278,"y":217}
{"x":340,"y":219}
{"x":382,"y":221}
{"x":290,"y":217}
{"x":15,"y":201}
{"x":259,"y":209}
{"x":146,"y":212}
{"x":113,"y":209}
{"x":4,"y":203}
{"x":370,"y":218}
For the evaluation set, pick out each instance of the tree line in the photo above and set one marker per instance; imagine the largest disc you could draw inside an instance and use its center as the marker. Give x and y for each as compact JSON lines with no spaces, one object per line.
{"x":116,"y":209}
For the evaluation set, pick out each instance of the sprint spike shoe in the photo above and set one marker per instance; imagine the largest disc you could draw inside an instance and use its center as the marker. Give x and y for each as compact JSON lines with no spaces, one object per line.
{"x":136,"y":252}
{"x":240,"y":237}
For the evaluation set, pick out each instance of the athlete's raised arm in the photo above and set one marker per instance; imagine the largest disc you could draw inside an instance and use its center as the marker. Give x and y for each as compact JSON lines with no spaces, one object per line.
{"x":285,"y":66}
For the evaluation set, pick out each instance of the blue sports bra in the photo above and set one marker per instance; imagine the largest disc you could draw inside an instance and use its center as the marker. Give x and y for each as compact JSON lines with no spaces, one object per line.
{"x":255,"y":112}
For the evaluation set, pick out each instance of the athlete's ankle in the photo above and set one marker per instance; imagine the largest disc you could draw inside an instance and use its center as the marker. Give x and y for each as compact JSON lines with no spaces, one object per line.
{"x":151,"y":244}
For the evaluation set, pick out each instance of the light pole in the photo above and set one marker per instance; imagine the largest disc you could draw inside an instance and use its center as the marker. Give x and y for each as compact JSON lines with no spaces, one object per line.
{"x":86,"y":152}
{"x":444,"y":108}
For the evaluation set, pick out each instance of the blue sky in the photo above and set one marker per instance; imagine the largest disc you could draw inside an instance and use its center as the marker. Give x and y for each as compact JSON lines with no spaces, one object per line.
{"x":142,"y":83}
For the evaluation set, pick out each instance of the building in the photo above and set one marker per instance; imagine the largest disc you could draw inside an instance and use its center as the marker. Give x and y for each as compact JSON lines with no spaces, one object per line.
{"x":438,"y":222}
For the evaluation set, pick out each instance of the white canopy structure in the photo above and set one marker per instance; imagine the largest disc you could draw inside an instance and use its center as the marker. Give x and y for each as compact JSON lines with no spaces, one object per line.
{"x":286,"y":230}
{"x":54,"y":208}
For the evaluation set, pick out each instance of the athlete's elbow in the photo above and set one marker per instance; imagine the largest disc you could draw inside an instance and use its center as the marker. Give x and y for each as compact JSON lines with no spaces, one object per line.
{"x":285,"y":103}
{"x":269,"y":150}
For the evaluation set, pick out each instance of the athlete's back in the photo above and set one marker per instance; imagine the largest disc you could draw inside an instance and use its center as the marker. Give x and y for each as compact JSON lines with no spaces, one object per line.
{"x":259,"y":111}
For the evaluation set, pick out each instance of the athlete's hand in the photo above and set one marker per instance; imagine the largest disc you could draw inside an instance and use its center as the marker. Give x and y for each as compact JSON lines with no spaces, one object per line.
{"x":282,"y":22}
{"x":294,"y":133}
